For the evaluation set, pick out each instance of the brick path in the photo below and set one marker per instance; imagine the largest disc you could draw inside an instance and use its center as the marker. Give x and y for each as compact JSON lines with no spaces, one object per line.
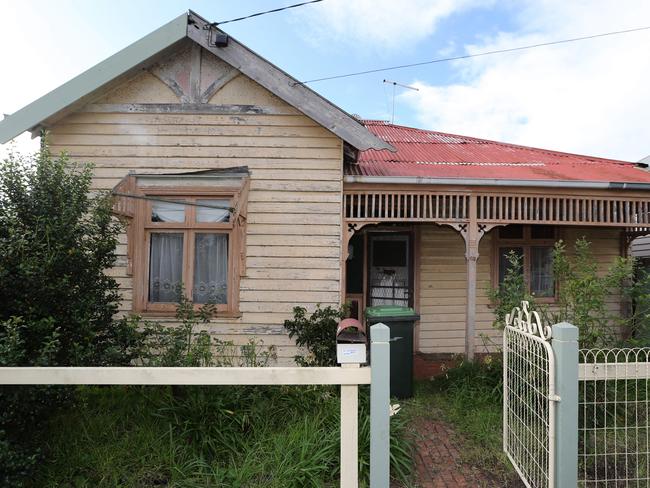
{"x":438,"y":462}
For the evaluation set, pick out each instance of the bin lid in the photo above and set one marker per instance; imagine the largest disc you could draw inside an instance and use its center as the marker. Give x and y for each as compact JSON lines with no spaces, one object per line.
{"x":391,"y":311}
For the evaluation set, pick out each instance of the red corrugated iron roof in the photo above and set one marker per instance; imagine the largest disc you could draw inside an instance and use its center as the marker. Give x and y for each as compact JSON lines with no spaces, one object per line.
{"x":429,"y":154}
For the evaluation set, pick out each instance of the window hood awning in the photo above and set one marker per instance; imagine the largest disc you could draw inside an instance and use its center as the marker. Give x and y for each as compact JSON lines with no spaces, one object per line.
{"x":133,"y":186}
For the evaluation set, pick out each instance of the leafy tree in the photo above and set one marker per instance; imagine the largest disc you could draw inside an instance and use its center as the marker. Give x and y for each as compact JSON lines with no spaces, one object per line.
{"x":56,"y":240}
{"x":582,"y":294}
{"x":57,"y":307}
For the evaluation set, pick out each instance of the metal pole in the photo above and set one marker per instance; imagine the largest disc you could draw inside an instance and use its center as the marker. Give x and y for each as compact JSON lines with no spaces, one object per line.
{"x":380,"y":406}
{"x":565,"y":348}
{"x":392,"y":120}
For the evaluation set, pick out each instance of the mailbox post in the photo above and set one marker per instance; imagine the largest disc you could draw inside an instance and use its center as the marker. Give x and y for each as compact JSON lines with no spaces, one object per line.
{"x":350,"y":353}
{"x":380,"y":407}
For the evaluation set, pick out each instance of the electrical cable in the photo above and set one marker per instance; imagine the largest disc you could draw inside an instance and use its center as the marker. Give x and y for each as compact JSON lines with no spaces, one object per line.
{"x":264,"y":13}
{"x":466,"y":56}
{"x":176,"y":202}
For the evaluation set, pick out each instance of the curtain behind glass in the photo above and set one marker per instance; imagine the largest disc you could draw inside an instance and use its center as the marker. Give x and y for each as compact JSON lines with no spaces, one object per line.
{"x":211,"y":214}
{"x":167,"y":212}
{"x":211,"y":268}
{"x":165,"y":267}
{"x":541,"y":271}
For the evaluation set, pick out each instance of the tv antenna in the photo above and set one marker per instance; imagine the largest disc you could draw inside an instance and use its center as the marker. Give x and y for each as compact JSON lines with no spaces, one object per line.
{"x":395,"y":84}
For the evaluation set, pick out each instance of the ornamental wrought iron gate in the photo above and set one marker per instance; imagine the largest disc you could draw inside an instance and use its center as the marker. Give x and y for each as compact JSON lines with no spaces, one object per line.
{"x":528,"y":397}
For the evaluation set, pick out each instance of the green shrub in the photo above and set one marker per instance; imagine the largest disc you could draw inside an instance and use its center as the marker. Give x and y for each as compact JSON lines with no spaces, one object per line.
{"x":582,"y":294}
{"x":57,"y":307}
{"x":638,"y":292}
{"x":56,"y":240}
{"x":182,"y":345}
{"x":316,"y":333}
{"x":511,"y":291}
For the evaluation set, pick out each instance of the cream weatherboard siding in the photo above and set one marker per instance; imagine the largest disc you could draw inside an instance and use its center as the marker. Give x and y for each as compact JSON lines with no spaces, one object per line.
{"x":640,"y":247}
{"x":442,"y":290}
{"x":294,"y":210}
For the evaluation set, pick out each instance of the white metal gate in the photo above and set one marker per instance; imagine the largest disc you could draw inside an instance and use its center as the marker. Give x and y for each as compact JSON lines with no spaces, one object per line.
{"x":528,"y":396}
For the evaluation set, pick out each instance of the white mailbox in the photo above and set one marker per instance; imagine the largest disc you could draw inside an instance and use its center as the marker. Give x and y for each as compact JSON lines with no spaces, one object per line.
{"x":350,"y":342}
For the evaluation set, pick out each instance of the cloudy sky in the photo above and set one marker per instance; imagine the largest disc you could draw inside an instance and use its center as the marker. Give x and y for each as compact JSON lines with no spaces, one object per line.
{"x":590,"y":97}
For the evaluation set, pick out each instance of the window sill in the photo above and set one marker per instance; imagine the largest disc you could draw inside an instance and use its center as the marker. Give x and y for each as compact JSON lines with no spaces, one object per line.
{"x":170,"y":315}
{"x":546,"y":300}
{"x":542,"y":301}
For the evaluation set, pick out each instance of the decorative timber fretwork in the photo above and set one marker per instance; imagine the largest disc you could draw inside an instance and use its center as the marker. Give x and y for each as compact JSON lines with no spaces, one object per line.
{"x":406,"y":207}
{"x":493,"y":209}
{"x":194,"y":75}
{"x":609,"y":211}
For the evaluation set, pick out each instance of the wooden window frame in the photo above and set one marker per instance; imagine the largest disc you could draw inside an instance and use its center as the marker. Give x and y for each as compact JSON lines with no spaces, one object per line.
{"x":141,"y":237}
{"x":526,"y":243}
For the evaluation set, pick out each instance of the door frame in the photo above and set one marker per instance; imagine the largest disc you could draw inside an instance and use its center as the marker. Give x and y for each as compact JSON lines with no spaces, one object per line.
{"x":410,"y":234}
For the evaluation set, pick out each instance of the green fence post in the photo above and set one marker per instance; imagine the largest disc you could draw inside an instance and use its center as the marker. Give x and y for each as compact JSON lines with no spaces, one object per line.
{"x":379,"y":406}
{"x":565,"y":349}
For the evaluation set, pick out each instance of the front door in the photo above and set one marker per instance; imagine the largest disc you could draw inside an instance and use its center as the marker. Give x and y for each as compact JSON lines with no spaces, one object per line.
{"x":390,"y":270}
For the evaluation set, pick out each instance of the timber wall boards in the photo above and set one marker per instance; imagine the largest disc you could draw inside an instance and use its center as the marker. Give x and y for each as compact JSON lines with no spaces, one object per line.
{"x":160,"y":122}
{"x":443,"y":285}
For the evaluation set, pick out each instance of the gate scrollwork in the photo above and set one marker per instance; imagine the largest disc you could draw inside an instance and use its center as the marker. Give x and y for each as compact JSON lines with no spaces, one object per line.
{"x":528,"y":321}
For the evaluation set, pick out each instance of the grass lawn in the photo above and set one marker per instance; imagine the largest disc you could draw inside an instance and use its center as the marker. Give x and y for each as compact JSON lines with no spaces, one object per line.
{"x":256,"y":436}
{"x":204,"y":437}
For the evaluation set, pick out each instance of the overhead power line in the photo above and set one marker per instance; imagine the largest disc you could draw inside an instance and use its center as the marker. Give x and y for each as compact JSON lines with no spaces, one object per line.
{"x":466,"y":56}
{"x":266,"y":12}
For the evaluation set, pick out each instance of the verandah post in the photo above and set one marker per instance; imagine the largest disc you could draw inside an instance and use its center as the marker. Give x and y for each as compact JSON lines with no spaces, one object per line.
{"x":472,"y":239}
{"x":379,"y":406}
{"x":565,"y":349}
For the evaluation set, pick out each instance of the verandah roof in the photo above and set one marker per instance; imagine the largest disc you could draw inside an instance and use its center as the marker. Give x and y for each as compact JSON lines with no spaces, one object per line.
{"x":428,"y":154}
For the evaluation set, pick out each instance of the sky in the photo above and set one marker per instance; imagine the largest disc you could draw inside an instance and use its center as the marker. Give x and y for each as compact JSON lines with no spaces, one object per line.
{"x":589,"y":97}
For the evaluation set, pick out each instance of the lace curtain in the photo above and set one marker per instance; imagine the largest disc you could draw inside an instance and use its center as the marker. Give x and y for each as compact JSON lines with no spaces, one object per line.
{"x":541,"y":271}
{"x":211,"y":268}
{"x":165,"y":267}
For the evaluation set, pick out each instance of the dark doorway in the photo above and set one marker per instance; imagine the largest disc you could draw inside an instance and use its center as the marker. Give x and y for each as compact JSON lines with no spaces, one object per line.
{"x":390,"y":269}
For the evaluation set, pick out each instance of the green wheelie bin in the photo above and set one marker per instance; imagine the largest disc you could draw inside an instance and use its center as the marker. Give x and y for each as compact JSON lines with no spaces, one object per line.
{"x":400,"y":321}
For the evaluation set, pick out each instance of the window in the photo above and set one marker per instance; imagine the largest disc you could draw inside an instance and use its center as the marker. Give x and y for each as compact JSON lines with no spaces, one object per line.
{"x":189,"y":239}
{"x":534,"y":244}
{"x":186,"y":231}
{"x":188,"y":242}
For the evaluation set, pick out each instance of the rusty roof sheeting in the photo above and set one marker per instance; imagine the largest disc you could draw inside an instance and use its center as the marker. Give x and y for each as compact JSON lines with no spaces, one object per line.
{"x":429,"y":154}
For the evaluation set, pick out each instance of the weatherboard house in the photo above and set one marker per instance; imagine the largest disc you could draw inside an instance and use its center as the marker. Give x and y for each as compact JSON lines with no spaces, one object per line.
{"x":259,"y":194}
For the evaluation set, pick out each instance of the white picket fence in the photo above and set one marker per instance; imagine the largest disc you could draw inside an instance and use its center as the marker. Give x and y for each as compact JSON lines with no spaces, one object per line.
{"x":349,"y":376}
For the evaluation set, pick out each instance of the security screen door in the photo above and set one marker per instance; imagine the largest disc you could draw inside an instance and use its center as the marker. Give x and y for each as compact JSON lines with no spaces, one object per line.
{"x":390,"y":274}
